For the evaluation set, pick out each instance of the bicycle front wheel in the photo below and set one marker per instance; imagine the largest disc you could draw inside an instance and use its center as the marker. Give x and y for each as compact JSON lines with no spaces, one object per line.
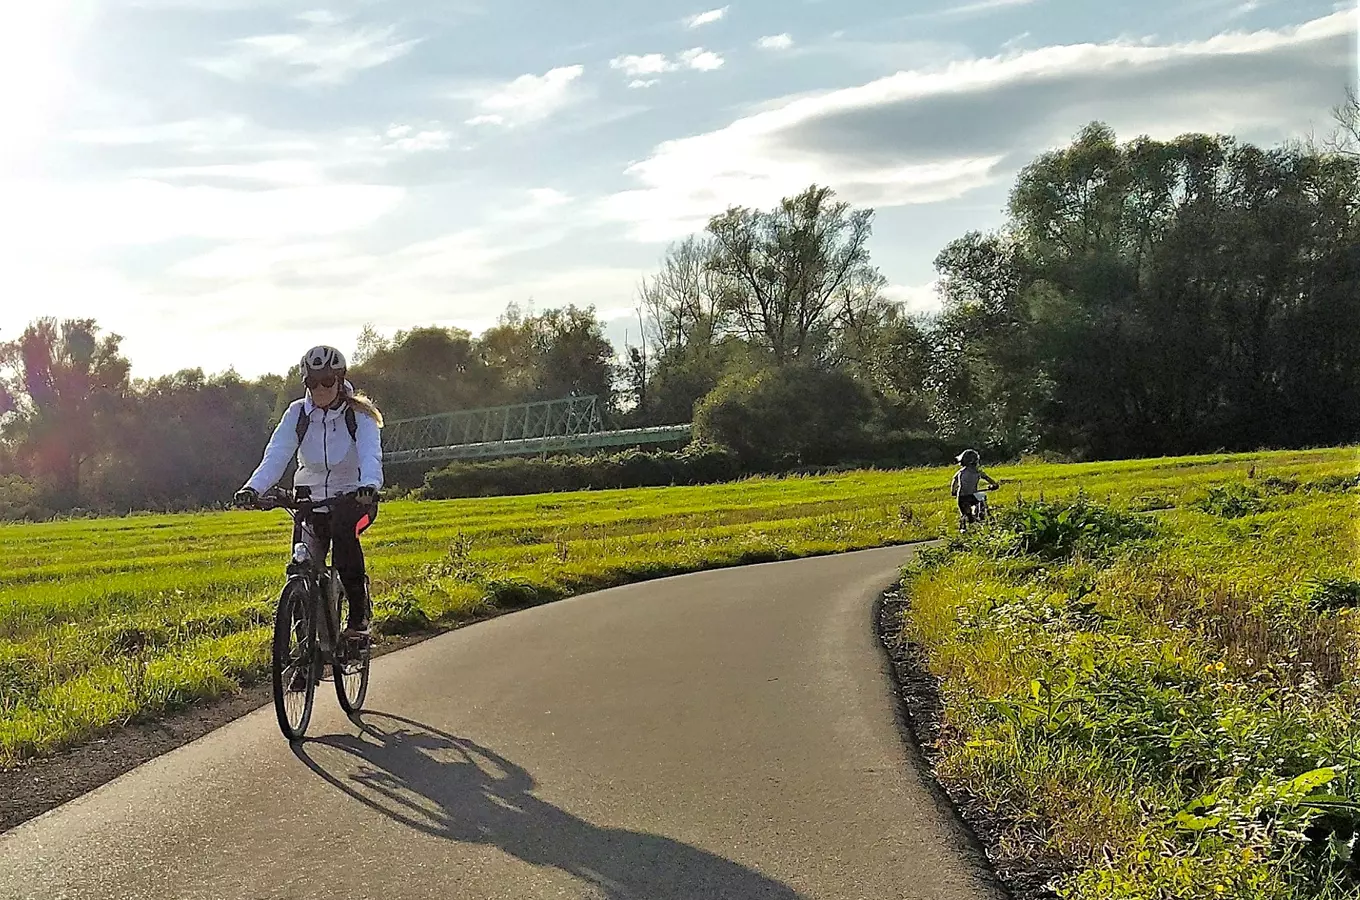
{"x":296,"y":661}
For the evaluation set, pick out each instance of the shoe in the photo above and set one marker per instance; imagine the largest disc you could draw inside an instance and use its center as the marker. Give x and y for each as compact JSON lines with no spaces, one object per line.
{"x":356,"y":633}
{"x":299,"y":682}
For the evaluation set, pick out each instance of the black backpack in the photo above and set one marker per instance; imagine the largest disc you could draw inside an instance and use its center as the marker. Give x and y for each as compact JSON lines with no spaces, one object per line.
{"x":305,"y":420}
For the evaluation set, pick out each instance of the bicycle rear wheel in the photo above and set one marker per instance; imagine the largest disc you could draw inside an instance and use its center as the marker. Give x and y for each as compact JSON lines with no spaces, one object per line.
{"x":350,"y":667}
{"x":296,"y":661}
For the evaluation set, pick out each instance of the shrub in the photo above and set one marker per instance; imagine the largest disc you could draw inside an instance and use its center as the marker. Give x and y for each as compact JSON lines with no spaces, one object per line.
{"x":786,"y":416}
{"x":1232,"y":501}
{"x":22,"y":500}
{"x":697,"y":464}
{"x":1061,"y":530}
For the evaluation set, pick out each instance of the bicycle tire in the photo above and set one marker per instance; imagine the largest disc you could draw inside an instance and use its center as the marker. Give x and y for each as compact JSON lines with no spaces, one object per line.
{"x":350,"y":702}
{"x":294,"y":594}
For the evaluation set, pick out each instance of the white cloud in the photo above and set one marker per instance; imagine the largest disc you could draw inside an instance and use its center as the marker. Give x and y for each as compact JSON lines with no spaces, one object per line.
{"x":259,"y":290}
{"x":932,"y":135}
{"x":915,"y":298}
{"x":323,"y":54}
{"x":528,"y":98}
{"x":635,"y":66}
{"x":208,"y":131}
{"x":407,"y":140}
{"x":270,"y":292}
{"x":546,"y":198}
{"x":272,"y":172}
{"x":706,"y":18}
{"x":638,"y":67}
{"x":237,"y":149}
{"x":255,"y":260}
{"x":539,"y":206}
{"x":320,"y":17}
{"x":701,"y":59}
{"x":138,"y":211}
{"x":775,"y":42}
{"x":970,"y":9}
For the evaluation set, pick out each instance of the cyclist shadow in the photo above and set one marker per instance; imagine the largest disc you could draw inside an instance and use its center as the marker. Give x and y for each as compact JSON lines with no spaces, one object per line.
{"x":453,"y":788}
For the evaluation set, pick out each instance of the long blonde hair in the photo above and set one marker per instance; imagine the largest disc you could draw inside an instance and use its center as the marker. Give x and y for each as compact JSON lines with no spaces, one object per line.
{"x":361,"y":402}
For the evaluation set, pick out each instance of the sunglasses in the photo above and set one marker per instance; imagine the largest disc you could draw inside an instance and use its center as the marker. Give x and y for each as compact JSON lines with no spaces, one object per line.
{"x":326,"y":381}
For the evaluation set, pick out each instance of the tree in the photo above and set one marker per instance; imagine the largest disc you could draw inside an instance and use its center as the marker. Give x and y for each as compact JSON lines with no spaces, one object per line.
{"x":369,"y":344}
{"x":1345,"y":138}
{"x":555,"y":354}
{"x":185,"y":440}
{"x":679,"y":301}
{"x":65,"y":382}
{"x":425,"y":371}
{"x":1156,"y":297}
{"x":635,"y":373}
{"x":861,"y":312}
{"x":898,"y":365}
{"x":777,"y":273}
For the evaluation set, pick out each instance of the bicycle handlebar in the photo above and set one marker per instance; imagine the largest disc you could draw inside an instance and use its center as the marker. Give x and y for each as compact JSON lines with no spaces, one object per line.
{"x":277,"y":499}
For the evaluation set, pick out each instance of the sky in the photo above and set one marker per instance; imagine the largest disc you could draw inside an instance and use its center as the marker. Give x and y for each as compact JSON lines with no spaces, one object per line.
{"x":225,"y":183}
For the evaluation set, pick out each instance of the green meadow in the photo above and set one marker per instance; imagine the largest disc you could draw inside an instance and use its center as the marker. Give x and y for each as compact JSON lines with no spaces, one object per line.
{"x":1168,"y":703}
{"x":1148,"y":667}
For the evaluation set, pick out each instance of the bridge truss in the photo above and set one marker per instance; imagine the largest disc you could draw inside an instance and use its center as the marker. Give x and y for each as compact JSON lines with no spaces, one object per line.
{"x":572,"y":424}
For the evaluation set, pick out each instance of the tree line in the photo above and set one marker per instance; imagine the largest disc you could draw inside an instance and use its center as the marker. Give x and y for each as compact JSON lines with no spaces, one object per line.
{"x":1141,"y":298}
{"x":78,"y":432}
{"x":1144,"y":298}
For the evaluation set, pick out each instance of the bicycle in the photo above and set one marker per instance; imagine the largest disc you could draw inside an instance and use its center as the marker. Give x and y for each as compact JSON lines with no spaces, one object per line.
{"x":312,"y":587}
{"x":981,"y":512}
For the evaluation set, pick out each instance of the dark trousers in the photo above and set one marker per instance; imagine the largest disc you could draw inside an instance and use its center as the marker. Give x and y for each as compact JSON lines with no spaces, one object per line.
{"x":338,"y":532}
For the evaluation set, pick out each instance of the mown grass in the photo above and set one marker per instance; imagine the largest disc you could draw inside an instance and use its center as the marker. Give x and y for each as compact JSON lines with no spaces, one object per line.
{"x":1168,"y":703}
{"x":104,"y":622}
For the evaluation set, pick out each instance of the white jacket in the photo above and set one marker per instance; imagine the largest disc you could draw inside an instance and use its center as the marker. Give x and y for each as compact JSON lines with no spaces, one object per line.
{"x":328,"y":461}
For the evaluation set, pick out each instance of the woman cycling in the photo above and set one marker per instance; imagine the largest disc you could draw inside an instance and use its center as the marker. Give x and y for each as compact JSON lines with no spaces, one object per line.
{"x":336,"y":436}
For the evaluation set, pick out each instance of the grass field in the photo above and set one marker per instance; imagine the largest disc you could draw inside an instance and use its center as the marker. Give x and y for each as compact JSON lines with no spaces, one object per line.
{"x":1169,"y":703}
{"x":104,"y":621}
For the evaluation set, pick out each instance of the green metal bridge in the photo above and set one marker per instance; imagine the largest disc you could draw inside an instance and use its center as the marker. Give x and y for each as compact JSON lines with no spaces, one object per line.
{"x":526,"y":429}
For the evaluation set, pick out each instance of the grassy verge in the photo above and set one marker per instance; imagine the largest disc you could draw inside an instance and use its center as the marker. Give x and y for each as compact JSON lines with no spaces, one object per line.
{"x":104,"y":622}
{"x":1168,"y":703}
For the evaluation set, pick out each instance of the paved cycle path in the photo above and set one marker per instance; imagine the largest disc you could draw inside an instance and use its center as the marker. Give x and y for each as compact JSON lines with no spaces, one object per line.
{"x":728,"y":734}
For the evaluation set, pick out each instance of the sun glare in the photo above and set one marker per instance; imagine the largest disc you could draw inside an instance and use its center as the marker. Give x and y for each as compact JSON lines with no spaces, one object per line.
{"x":36,"y":72}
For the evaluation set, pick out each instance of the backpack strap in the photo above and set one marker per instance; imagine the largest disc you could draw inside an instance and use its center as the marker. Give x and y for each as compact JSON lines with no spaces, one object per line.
{"x":304,"y":420}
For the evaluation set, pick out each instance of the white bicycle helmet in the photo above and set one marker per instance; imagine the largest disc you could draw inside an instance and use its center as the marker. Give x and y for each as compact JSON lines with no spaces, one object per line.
{"x":322,"y":360}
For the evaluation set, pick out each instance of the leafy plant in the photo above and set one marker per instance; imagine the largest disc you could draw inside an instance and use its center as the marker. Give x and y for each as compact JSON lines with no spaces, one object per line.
{"x":1063,"y":529}
{"x":1327,"y":595}
{"x":1232,"y":501}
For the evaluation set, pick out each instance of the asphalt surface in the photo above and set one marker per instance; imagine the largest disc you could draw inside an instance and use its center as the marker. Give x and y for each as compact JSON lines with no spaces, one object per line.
{"x":729,"y":734}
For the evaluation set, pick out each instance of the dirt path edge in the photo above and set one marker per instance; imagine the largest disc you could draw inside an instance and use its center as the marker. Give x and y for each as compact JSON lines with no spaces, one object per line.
{"x":922,"y":709}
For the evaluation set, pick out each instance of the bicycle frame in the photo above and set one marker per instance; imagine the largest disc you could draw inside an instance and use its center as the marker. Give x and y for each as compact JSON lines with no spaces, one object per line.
{"x":302,"y":568}
{"x":320,"y":581}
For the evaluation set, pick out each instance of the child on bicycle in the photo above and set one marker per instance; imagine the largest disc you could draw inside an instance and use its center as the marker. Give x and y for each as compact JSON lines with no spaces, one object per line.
{"x":335,"y":434}
{"x":965,"y":484}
